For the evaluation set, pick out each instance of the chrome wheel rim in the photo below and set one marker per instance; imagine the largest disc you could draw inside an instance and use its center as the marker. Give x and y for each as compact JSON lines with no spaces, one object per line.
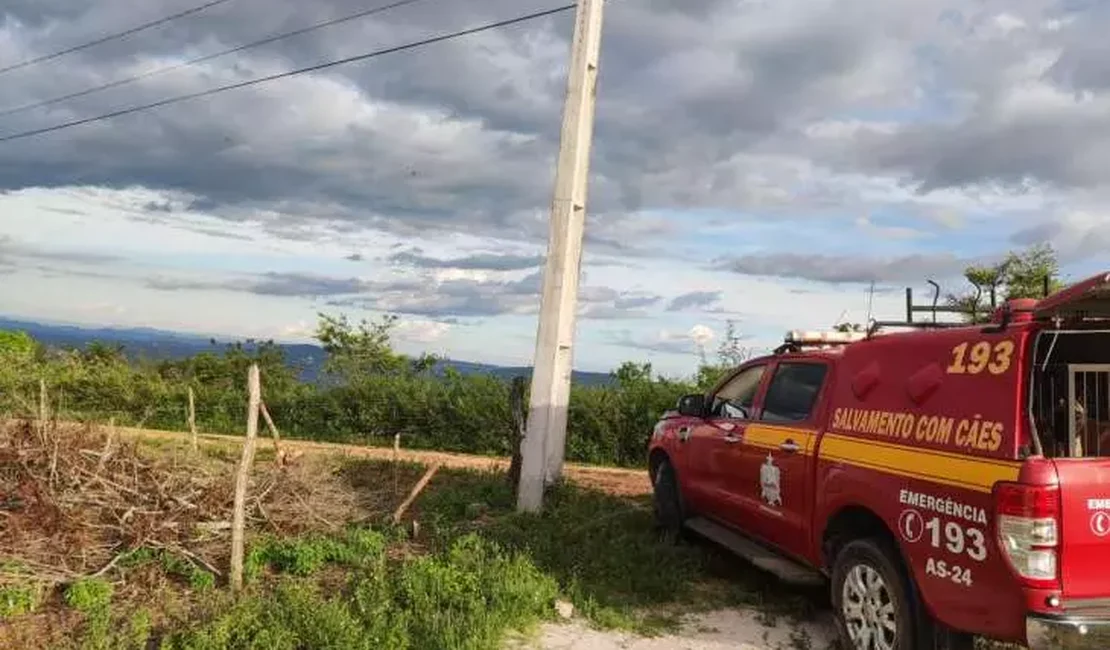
{"x":868,"y":611}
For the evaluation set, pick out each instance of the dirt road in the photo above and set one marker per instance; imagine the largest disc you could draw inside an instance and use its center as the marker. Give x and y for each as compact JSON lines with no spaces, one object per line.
{"x":623,"y":482}
{"x":729,"y":629}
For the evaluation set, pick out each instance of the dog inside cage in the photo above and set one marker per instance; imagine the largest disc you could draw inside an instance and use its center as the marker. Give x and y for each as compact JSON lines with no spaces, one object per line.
{"x":1070,"y":393}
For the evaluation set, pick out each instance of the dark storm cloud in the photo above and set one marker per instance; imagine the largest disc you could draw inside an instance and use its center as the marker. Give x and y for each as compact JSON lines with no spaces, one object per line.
{"x":311,"y":141}
{"x":296,"y":284}
{"x":476,"y":262}
{"x":694,"y":299}
{"x":693,"y":99}
{"x":13,"y":250}
{"x":1069,"y":151}
{"x":423,"y":296}
{"x":847,"y":269}
{"x":992,"y":125}
{"x":269,"y":284}
{"x":1074,"y":240}
{"x":1084,"y":50}
{"x":676,"y":346}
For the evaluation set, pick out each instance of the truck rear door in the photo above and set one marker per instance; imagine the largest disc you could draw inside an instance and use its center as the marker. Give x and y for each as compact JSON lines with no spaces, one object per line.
{"x":1071,"y":375}
{"x":1085,"y":527}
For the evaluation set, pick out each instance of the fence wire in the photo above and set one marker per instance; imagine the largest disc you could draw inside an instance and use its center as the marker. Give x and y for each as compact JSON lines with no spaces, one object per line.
{"x":474,"y":414}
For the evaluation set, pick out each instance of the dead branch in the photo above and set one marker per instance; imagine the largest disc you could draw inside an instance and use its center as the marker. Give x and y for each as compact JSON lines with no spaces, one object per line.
{"x":416,"y":490}
{"x":279,"y":456}
{"x":108,"y":567}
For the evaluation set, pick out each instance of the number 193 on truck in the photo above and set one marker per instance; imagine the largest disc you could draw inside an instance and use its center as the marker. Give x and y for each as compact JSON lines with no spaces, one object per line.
{"x":945,"y":481}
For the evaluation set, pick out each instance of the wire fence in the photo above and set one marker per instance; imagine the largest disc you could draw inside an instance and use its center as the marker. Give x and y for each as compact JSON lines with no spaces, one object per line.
{"x":474,"y":414}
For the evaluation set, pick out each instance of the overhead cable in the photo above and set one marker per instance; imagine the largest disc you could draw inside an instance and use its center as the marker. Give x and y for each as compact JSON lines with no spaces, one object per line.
{"x":290,"y":73}
{"x":111,"y":37}
{"x":208,"y":57}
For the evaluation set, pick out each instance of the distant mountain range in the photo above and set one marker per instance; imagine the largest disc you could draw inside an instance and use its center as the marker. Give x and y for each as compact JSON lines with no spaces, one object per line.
{"x":142,"y":342}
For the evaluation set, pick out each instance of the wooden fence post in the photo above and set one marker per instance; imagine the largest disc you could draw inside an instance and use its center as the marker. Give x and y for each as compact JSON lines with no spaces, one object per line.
{"x":238,"y":518}
{"x":42,"y":410}
{"x":279,"y":458}
{"x":193,"y":418}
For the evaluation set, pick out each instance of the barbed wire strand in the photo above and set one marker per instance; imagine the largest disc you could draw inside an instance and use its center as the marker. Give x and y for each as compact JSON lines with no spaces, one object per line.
{"x":111,"y":37}
{"x":208,"y":57}
{"x":289,"y":73}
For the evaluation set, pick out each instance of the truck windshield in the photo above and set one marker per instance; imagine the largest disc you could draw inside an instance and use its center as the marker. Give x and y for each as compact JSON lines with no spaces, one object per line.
{"x":1070,"y":393}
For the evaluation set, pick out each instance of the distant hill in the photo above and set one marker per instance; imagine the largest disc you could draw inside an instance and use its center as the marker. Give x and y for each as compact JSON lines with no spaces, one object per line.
{"x":142,"y":342}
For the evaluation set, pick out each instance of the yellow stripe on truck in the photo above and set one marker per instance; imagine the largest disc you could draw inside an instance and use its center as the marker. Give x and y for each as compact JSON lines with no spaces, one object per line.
{"x":955,"y":470}
{"x":969,"y":472}
{"x":770,"y":437}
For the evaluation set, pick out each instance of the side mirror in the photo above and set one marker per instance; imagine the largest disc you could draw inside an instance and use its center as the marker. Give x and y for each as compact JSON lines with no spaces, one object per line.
{"x":692,"y":405}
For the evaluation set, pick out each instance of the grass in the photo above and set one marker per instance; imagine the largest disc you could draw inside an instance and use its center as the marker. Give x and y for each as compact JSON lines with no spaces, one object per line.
{"x":476,"y":573}
{"x":469,"y":597}
{"x":604,"y":552}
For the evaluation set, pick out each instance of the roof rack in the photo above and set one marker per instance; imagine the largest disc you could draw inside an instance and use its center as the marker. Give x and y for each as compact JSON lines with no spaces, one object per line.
{"x":798,"y":340}
{"x":876,"y":325}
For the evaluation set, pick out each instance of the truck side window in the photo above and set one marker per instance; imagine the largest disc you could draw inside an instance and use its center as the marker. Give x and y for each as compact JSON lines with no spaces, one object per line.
{"x":793,"y":392}
{"x":735,"y":398}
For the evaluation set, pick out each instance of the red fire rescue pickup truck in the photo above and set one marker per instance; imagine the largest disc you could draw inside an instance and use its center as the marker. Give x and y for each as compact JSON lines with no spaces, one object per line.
{"x":947,"y":482}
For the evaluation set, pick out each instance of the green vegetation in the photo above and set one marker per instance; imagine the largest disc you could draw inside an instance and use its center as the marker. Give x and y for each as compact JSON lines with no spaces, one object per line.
{"x":477,"y":574}
{"x":88,"y":595}
{"x":368,"y":394}
{"x":606,"y":554}
{"x":19,"y":599}
{"x":470,"y":596}
{"x":1019,"y":275}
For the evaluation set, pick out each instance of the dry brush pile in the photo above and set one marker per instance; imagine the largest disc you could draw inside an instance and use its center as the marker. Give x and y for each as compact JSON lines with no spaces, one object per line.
{"x":74,"y":500}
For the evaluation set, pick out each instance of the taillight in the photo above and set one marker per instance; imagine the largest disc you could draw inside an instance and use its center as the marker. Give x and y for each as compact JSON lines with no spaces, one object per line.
{"x":1027,"y":518}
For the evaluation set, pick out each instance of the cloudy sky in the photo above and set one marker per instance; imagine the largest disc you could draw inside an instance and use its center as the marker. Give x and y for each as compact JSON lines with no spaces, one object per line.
{"x":758,"y":161}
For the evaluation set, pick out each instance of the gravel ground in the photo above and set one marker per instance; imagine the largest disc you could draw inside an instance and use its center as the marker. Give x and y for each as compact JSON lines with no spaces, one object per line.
{"x":730,"y":629}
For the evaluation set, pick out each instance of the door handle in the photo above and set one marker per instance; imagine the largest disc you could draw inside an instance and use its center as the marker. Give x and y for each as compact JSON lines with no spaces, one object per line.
{"x":733,"y":438}
{"x":790,"y":447}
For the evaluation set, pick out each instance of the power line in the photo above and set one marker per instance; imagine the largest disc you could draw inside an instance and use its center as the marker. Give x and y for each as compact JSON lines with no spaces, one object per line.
{"x":207,"y":57}
{"x":290,"y":73}
{"x":110,"y":37}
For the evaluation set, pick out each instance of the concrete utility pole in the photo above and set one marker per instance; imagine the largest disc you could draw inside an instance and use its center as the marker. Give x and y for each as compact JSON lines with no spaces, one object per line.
{"x":544,"y":442}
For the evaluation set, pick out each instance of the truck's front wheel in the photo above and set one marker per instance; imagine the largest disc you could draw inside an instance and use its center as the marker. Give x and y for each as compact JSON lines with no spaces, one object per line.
{"x":871,"y":599}
{"x":667,"y":503}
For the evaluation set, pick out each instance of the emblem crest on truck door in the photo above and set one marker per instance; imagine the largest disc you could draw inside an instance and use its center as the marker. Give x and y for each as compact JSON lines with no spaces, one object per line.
{"x":769,"y":480}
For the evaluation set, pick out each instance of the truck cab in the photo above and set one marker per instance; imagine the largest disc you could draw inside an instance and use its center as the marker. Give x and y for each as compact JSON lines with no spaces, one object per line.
{"x":945,"y":481}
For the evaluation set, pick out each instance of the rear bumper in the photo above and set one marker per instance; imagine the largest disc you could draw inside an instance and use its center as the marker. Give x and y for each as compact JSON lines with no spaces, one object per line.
{"x":1067,"y":633}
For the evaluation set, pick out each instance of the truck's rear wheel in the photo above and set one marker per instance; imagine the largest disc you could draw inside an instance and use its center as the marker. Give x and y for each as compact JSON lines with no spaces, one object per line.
{"x":870,"y":597}
{"x":667,"y":502}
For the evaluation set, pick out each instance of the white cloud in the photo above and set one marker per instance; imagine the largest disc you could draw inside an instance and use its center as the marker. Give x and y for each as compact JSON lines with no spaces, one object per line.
{"x":795,"y":139}
{"x":700,"y":335}
{"x":422,"y":331}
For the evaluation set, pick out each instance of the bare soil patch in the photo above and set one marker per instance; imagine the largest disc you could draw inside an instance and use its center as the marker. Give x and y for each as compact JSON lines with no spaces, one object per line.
{"x":611,"y":480}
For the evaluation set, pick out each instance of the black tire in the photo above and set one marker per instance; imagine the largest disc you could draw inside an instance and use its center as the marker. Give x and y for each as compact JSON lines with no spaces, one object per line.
{"x":870,"y":562}
{"x":667,"y":503}
{"x":951,"y":640}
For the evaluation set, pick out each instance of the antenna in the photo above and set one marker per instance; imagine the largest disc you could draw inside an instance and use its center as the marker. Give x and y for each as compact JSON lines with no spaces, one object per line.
{"x":870,"y":301}
{"x":936,"y":297}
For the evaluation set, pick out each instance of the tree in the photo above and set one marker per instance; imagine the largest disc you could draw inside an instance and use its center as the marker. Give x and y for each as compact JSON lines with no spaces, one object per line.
{"x":630,"y":373}
{"x":730,"y":354}
{"x":363,"y":349}
{"x":17,"y":346}
{"x":1019,"y":275}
